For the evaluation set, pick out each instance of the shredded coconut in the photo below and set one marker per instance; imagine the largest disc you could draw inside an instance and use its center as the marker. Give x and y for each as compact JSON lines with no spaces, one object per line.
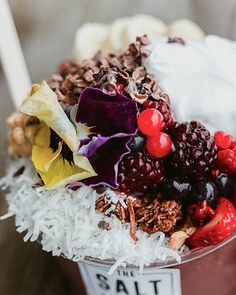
{"x":66,"y":223}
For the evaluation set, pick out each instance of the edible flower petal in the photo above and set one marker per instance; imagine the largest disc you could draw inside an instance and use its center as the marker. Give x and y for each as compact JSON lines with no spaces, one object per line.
{"x":112,"y":121}
{"x":43,"y":104}
{"x":54,"y":169}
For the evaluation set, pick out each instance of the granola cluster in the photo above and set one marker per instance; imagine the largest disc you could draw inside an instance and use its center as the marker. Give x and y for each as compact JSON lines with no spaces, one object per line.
{"x":149,"y":215}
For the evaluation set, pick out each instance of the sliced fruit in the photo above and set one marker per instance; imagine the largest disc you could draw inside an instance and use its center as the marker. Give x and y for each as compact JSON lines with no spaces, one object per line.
{"x":221,"y":226}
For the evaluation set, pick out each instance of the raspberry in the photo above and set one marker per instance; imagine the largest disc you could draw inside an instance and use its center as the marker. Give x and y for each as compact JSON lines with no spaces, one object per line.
{"x":163,"y":108}
{"x":223,"y":140}
{"x":139,"y":172}
{"x":233,"y":145}
{"x":227,"y":161}
{"x":194,"y":151}
{"x":159,"y":145}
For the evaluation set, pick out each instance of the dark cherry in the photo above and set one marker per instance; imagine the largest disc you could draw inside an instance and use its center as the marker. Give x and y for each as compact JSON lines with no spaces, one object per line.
{"x":205,"y":191}
{"x":224,"y":184}
{"x":177,"y":188}
{"x":137,"y":143}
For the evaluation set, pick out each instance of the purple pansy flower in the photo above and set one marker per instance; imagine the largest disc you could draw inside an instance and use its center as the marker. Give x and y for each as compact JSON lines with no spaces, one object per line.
{"x":113,"y":121}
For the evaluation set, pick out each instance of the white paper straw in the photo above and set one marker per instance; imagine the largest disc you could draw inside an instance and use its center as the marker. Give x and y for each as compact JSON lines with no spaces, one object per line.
{"x":12,"y":58}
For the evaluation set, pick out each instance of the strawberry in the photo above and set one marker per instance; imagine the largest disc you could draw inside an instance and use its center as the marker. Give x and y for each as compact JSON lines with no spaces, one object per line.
{"x":220,"y":227}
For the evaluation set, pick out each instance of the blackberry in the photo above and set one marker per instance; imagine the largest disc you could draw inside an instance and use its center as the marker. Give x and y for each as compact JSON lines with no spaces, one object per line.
{"x":162,"y":107}
{"x":139,"y":172}
{"x":194,"y":151}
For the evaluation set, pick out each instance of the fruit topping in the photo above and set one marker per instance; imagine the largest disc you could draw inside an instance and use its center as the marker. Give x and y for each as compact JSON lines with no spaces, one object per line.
{"x":224,"y":184}
{"x":159,"y":145}
{"x":139,"y":172}
{"x":150,"y":121}
{"x":137,"y":143}
{"x":120,"y":87}
{"x":205,"y":191}
{"x":194,"y":151}
{"x":223,"y":140}
{"x":163,"y":107}
{"x":200,"y":213}
{"x":227,"y":161}
{"x":220,"y":227}
{"x":176,"y":188}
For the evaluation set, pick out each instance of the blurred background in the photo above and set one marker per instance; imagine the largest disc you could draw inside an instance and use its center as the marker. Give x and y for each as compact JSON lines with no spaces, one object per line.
{"x":46,"y":30}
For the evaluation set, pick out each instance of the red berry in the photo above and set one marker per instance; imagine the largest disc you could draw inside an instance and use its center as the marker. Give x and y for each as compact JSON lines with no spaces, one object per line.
{"x":215,"y":173}
{"x":120,"y":87}
{"x":233,"y":145}
{"x":227,"y":161}
{"x":159,"y":145}
{"x":201,"y":212}
{"x":220,"y":227}
{"x":223,"y":140}
{"x":150,"y":121}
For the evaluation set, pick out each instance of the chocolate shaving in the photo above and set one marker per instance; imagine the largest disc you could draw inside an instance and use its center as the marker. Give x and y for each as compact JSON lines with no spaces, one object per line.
{"x":104,"y":225}
{"x":19,"y":172}
{"x":107,"y":72}
{"x":176,"y":40}
{"x":37,"y":185}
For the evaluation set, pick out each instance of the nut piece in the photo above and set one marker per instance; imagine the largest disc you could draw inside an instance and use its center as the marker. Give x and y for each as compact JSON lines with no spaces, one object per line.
{"x":177,"y":240}
{"x":20,"y":137}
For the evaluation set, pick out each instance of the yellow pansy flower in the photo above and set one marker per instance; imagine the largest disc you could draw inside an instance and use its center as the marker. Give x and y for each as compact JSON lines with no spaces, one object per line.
{"x":55,"y":168}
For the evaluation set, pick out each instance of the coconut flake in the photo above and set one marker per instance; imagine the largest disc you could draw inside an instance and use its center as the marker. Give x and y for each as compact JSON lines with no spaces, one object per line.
{"x":66,"y":223}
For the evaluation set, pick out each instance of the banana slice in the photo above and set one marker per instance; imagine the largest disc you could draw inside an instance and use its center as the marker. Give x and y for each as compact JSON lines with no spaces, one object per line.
{"x":90,"y":38}
{"x":144,"y":24}
{"x":118,"y":33}
{"x":186,"y":29}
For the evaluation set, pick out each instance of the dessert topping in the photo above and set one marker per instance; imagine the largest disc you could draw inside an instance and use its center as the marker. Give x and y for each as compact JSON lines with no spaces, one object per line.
{"x":194,"y":151}
{"x":220,"y":227}
{"x":159,"y":145}
{"x":205,"y":191}
{"x":225,"y":184}
{"x":139,"y":172}
{"x":149,"y":215}
{"x":150,"y":121}
{"x":200,"y":213}
{"x":227,"y":161}
{"x":223,"y":140}
{"x":163,"y":106}
{"x":176,"y":188}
